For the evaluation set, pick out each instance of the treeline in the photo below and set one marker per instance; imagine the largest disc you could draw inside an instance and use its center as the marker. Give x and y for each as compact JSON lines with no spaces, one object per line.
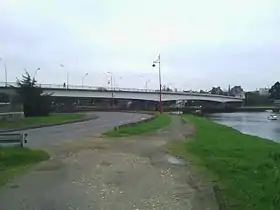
{"x":255,"y":99}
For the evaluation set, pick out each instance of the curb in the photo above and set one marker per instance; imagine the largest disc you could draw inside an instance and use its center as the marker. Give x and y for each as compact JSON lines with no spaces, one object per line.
{"x":48,"y":125}
{"x":134,"y":123}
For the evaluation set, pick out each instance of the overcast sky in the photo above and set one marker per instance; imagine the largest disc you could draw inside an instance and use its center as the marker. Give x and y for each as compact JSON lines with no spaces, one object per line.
{"x":202,"y":43}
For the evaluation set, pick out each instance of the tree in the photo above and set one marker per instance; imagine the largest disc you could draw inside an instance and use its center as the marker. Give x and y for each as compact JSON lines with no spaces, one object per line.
{"x":166,"y":88}
{"x":217,"y":91}
{"x":255,"y":99}
{"x":35,"y":102}
{"x":236,"y":91}
{"x":274,"y":91}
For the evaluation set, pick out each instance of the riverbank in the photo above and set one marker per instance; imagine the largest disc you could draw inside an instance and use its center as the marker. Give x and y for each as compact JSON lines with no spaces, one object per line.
{"x":257,"y":108}
{"x":245,"y":169}
{"x":159,"y":121}
{"x":14,"y":160}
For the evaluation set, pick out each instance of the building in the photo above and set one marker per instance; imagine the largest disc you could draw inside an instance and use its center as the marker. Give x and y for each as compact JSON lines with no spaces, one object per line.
{"x":264,"y":91}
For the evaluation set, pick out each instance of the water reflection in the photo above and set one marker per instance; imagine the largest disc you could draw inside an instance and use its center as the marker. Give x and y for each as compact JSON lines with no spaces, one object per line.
{"x":254,"y":123}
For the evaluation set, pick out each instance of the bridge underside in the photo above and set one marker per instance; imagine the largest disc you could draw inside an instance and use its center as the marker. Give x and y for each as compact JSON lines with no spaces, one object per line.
{"x":123,"y":104}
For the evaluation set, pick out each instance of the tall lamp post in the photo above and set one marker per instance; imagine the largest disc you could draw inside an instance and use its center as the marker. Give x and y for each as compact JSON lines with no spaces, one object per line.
{"x":146,"y":84}
{"x":67,"y":76}
{"x":112,"y":86}
{"x":38,"y":69}
{"x":117,"y":84}
{"x":159,"y":76}
{"x":83,"y":79}
{"x":6,"y":71}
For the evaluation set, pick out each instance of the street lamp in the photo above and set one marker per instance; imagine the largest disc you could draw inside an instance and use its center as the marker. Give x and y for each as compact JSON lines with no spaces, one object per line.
{"x":146,"y":84}
{"x":6,"y":73}
{"x":67,"y":77}
{"x":83,"y":79}
{"x":111,"y":79}
{"x":112,"y":87}
{"x":159,"y":75}
{"x":119,"y":78}
{"x":38,"y":69}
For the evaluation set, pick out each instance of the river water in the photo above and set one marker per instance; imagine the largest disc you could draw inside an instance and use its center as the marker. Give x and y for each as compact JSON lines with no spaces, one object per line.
{"x":254,"y":123}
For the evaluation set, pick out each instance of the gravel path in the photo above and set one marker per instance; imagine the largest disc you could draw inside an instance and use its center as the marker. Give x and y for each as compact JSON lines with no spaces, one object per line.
{"x":119,"y":174}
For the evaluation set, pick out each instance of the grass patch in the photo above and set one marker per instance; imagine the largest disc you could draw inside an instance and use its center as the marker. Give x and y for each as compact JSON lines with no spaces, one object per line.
{"x":16,"y":159}
{"x":52,"y":119}
{"x":159,"y":121}
{"x":246,"y":168}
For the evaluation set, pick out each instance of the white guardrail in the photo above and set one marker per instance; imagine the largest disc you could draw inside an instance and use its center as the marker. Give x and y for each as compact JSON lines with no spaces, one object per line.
{"x":98,"y":88}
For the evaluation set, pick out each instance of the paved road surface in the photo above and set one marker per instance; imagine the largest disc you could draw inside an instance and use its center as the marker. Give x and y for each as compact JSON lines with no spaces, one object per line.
{"x":96,"y":173}
{"x":41,"y":137}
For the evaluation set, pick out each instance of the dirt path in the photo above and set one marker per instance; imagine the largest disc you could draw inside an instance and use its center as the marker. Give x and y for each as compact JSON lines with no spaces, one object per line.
{"x":96,"y":173}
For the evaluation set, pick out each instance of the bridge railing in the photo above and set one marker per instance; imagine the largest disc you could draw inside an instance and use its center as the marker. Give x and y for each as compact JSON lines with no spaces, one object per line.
{"x":79,"y":87}
{"x":98,"y":88}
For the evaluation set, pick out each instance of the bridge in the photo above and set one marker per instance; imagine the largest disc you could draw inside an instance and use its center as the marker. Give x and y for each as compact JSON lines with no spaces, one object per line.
{"x":91,"y":92}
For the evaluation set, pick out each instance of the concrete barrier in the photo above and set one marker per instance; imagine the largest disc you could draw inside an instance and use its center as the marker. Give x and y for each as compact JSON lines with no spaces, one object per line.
{"x":153,"y":116}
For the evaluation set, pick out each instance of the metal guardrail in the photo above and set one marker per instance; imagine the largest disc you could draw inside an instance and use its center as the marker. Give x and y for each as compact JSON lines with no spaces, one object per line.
{"x":117,"y":89}
{"x":13,"y":138}
{"x":12,"y":114}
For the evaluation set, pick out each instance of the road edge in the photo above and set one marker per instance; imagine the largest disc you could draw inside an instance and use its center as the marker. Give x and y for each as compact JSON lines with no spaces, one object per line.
{"x":49,"y":125}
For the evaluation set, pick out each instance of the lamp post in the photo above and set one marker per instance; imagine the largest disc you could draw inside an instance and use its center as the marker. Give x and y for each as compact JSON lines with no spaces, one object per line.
{"x":38,"y":69}
{"x":111,"y":80}
{"x":112,"y":86}
{"x":67,"y":76}
{"x":146,"y":84}
{"x":6,"y":71}
{"x":159,"y":76}
{"x":117,"y":84}
{"x":83,"y":79}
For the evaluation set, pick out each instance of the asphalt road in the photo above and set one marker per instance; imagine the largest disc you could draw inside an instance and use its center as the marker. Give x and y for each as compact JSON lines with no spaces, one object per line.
{"x":41,"y":137}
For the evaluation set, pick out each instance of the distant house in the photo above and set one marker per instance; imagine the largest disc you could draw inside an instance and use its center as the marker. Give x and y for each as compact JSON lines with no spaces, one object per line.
{"x":264,"y":91}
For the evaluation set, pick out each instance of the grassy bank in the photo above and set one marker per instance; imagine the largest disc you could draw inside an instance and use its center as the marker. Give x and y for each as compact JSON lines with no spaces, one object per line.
{"x":246,"y":168}
{"x":52,"y":119}
{"x":16,"y":159}
{"x":159,"y":121}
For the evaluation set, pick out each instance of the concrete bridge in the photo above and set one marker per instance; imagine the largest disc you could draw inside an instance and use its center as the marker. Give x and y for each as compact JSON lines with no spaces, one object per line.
{"x":90,"y":92}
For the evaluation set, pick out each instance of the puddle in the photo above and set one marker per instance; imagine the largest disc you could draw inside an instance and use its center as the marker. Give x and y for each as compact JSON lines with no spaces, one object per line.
{"x":13,"y":185}
{"x":174,"y":160}
{"x":163,"y":131}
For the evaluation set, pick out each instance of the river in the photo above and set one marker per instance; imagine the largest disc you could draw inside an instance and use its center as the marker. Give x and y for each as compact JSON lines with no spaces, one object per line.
{"x":254,"y":123}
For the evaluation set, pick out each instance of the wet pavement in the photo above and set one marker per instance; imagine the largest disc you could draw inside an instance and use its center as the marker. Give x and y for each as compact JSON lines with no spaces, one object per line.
{"x":42,"y":137}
